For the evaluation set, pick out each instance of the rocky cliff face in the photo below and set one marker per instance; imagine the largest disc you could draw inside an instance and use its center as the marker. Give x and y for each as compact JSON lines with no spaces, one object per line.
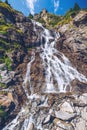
{"x":39,"y":87}
{"x":73,"y":41}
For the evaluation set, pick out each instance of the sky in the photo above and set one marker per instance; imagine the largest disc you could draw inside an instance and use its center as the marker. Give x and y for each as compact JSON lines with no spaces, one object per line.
{"x":59,"y":7}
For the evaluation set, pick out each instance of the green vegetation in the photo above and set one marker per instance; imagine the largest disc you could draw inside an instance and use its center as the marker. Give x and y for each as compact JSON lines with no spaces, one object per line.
{"x":2,"y":85}
{"x":6,"y":1}
{"x":30,"y":16}
{"x":67,"y":18}
{"x":4,"y":28}
{"x":0,"y":76}
{"x":3,"y":114}
{"x":8,"y":63}
{"x":7,"y":6}
{"x":53,"y":20}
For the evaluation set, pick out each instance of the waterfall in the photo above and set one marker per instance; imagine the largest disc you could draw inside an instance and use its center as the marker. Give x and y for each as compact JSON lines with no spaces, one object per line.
{"x":57,"y":68}
{"x":27,"y":79}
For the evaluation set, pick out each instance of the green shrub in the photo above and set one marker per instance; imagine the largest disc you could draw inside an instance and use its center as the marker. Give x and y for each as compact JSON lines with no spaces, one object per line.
{"x":4,"y":5}
{"x":3,"y":114}
{"x":2,"y":85}
{"x":30,"y":16}
{"x":8,"y":63}
{"x":0,"y":76}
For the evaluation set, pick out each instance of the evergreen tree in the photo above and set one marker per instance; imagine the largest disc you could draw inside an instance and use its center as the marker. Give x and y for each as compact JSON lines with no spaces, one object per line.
{"x":76,"y":7}
{"x":30,"y":16}
{"x":6,"y":1}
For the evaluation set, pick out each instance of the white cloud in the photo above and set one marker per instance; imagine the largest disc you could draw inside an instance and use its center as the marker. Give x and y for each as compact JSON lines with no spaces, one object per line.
{"x":31,"y":4}
{"x":56,"y":5}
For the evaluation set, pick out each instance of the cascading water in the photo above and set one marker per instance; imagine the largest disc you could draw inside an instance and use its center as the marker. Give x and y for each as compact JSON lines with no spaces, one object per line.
{"x":27,"y":77}
{"x":57,"y":68}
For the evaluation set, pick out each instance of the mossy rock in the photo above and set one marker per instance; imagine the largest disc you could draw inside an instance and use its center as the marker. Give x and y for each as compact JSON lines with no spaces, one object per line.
{"x":7,"y":7}
{"x":8,"y":12}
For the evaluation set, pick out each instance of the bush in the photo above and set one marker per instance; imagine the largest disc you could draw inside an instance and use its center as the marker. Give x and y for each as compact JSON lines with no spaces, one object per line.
{"x":3,"y":114}
{"x":8,"y":63}
{"x":2,"y":85}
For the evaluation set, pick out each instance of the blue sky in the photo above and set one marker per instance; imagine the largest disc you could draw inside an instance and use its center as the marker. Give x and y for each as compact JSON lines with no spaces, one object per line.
{"x":53,"y":6}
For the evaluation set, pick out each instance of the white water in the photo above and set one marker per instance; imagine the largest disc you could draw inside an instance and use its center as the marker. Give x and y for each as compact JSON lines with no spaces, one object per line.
{"x":57,"y":67}
{"x":27,"y":79}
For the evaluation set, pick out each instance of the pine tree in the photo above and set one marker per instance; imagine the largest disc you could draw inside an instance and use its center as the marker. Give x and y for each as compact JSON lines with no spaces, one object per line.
{"x":30,"y":16}
{"x":6,"y":1}
{"x":76,"y":7}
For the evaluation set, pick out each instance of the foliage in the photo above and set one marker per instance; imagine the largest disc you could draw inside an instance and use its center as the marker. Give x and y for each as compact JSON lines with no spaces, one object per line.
{"x":6,"y":1}
{"x":41,"y":20}
{"x":7,"y":6}
{"x":53,"y":19}
{"x":8,"y":63}
{"x":0,"y":76}
{"x":2,"y":85}
{"x":2,"y":112}
{"x":67,"y":18}
{"x":76,"y":7}
{"x":30,"y":16}
{"x":4,"y":28}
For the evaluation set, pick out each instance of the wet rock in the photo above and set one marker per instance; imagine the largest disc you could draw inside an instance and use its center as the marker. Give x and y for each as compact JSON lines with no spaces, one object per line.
{"x":52,"y":112}
{"x":65,"y":115}
{"x":63,"y":125}
{"x":47,"y":120}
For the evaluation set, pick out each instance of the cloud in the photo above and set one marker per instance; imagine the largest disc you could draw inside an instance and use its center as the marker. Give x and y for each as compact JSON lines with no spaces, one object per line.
{"x":56,"y":5}
{"x":31,"y":5}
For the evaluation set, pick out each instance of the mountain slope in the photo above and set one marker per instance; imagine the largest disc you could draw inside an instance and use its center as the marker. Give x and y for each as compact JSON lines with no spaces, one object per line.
{"x":43,"y":73}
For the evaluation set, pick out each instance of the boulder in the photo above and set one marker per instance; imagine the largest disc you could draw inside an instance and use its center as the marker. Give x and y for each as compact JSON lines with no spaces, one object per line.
{"x":63,"y":125}
{"x":31,"y":126}
{"x":63,"y":115}
{"x":66,"y":107}
{"x":47,"y":120}
{"x":80,"y":101}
